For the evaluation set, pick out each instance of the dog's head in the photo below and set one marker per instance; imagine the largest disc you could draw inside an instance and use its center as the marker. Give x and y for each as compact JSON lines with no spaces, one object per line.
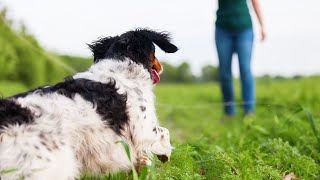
{"x":138,"y":45}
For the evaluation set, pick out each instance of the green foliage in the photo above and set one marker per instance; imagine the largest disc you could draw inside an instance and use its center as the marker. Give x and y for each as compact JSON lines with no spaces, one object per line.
{"x":179,"y":74}
{"x":10,"y":88}
{"x":282,"y":137}
{"x":184,"y":73}
{"x":181,"y":166}
{"x":23,"y":60}
{"x":282,"y":156}
{"x":209,"y":74}
{"x":80,"y":64}
{"x":169,"y":74}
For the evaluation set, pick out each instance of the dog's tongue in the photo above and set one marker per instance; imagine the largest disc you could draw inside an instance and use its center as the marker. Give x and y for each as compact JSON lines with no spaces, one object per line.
{"x":156,"y":77}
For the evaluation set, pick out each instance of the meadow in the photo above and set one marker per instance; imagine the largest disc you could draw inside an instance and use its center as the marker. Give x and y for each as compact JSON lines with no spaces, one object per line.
{"x":282,"y":138}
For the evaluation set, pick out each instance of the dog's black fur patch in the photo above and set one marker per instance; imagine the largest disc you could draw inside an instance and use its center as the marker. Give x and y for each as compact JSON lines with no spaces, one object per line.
{"x":12,"y":113}
{"x":110,"y":104}
{"x":136,"y":45}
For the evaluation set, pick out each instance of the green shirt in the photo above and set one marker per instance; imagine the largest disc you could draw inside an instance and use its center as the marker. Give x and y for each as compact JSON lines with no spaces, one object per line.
{"x":233,"y":15}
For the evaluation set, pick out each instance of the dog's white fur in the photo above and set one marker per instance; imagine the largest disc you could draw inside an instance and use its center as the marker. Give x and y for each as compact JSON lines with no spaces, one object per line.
{"x":69,"y":137}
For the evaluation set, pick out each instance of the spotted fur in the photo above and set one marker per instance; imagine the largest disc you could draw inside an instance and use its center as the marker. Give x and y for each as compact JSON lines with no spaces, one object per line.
{"x":111,"y":105}
{"x":61,"y":131}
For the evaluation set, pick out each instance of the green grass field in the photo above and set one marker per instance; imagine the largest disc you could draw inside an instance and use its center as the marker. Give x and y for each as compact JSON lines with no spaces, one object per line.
{"x":282,"y":138}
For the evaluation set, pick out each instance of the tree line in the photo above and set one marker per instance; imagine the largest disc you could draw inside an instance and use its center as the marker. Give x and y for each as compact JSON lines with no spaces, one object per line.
{"x":22,"y":59}
{"x":183,"y":74}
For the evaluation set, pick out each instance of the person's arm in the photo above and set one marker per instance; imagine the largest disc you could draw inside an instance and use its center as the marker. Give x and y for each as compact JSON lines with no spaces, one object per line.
{"x":257,"y":9}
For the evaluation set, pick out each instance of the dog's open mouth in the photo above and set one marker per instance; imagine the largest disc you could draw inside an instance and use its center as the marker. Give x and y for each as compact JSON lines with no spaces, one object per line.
{"x":156,"y":70}
{"x":156,"y":76}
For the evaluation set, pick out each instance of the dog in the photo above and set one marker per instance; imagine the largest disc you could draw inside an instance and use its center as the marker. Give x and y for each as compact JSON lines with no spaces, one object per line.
{"x":75,"y":126}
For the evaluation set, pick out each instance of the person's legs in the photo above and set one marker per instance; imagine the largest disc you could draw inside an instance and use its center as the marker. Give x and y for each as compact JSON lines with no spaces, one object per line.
{"x":244,"y":44}
{"x":224,"y":44}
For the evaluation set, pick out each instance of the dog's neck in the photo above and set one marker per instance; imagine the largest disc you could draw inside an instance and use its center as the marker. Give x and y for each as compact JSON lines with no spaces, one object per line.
{"x":125,"y":72}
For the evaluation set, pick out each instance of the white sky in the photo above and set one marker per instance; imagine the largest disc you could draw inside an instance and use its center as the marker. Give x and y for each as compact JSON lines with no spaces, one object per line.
{"x":65,"y":26}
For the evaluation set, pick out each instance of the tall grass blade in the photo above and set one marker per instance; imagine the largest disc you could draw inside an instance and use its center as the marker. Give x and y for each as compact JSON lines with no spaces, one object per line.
{"x":126,"y":147}
{"x":298,"y":110}
{"x":313,"y":126}
{"x":7,"y":171}
{"x":144,"y":173}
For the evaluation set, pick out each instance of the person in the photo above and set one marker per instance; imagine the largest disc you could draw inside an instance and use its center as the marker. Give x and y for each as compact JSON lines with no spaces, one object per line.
{"x":234,"y":34}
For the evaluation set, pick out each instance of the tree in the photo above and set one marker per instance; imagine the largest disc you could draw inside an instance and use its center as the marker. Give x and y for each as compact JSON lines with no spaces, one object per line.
{"x":209,"y":73}
{"x":184,"y":73}
{"x":169,"y":73}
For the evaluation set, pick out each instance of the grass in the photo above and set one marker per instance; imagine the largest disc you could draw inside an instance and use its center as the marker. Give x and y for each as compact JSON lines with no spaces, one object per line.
{"x":10,"y":88}
{"x":282,"y":138}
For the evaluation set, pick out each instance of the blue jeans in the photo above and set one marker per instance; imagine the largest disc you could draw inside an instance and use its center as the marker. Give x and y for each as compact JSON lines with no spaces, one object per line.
{"x":240,"y":42}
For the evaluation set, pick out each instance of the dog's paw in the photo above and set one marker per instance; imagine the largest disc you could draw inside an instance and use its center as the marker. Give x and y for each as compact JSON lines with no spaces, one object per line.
{"x":162,"y":147}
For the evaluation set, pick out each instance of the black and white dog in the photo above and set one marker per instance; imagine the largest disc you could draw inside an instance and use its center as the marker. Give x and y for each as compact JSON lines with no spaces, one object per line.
{"x":61,"y":131}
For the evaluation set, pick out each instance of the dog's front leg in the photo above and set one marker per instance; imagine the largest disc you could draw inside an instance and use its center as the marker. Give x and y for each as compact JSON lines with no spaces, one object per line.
{"x":162,"y":146}
{"x":158,"y":145}
{"x":143,"y":159}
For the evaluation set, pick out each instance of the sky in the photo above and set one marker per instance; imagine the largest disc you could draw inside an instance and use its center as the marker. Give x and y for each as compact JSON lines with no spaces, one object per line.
{"x":65,"y":26}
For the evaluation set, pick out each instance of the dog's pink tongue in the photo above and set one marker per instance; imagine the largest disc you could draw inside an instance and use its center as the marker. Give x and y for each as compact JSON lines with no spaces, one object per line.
{"x":156,"y":77}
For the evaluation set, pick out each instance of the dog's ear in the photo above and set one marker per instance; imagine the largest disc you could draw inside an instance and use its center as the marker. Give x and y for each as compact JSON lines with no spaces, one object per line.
{"x":100,"y":47}
{"x":161,"y":39}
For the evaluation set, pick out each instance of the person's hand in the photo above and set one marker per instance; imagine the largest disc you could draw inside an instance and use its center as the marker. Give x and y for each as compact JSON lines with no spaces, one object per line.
{"x":263,"y":34}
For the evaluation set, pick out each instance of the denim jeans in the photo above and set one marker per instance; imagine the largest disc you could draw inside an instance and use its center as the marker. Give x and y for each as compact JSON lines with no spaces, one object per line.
{"x":239,"y":42}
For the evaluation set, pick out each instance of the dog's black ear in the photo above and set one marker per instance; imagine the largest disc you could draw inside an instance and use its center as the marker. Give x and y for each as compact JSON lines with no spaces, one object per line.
{"x":161,"y":39}
{"x":100,"y":47}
